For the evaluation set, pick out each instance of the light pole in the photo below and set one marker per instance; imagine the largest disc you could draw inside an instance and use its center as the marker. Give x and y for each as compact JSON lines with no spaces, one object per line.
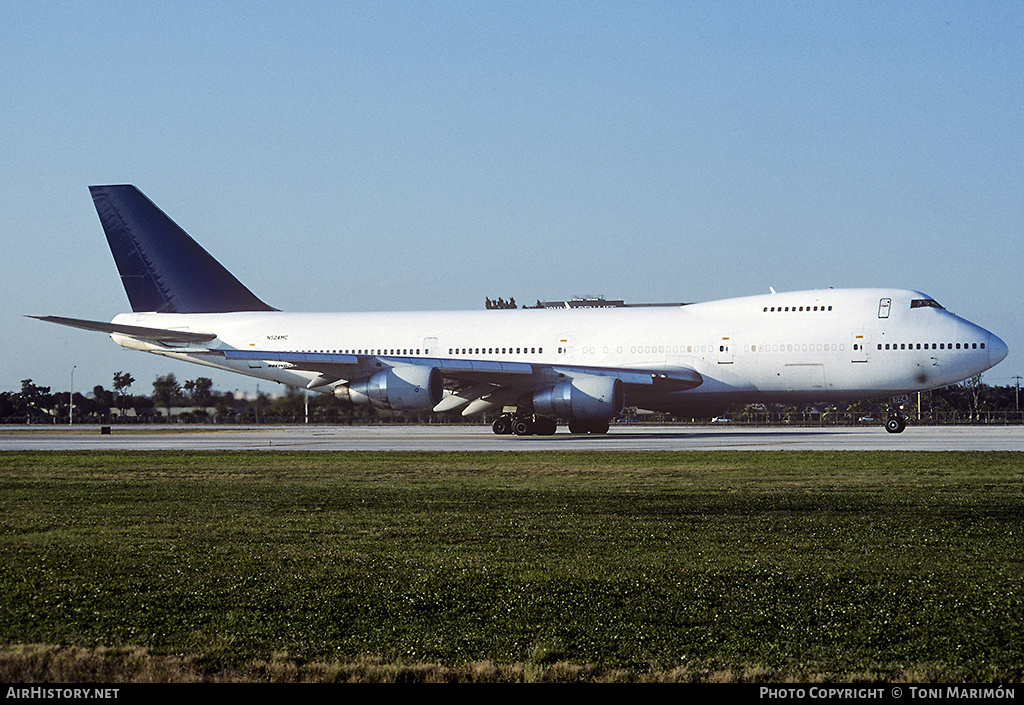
{"x":1016,"y":396}
{"x":71,"y":398}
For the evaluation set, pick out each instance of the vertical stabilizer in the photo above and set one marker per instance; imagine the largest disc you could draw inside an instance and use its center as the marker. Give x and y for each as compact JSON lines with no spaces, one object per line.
{"x":162,"y":268}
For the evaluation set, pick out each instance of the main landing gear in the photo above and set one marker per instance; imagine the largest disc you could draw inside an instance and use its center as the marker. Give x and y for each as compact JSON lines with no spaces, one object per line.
{"x":528,"y":425}
{"x":524,"y":425}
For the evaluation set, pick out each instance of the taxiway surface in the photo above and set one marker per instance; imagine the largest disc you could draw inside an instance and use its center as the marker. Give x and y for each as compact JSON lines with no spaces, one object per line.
{"x":479,"y":438}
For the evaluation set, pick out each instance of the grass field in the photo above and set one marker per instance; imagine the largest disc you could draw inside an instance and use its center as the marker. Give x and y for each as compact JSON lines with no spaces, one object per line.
{"x":512,"y":566}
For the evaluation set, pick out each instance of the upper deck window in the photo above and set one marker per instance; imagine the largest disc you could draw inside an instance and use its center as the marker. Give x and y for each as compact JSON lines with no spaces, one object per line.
{"x":924,"y":303}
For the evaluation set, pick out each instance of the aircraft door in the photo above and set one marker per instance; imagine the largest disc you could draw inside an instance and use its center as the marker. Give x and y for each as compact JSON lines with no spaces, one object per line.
{"x":883,"y":307}
{"x":725,"y":350}
{"x":564,"y":348}
{"x":859,"y":347}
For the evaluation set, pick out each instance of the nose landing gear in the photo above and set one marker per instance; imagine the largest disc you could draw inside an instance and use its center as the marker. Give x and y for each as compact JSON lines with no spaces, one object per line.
{"x":896,"y":424}
{"x":897,"y":420}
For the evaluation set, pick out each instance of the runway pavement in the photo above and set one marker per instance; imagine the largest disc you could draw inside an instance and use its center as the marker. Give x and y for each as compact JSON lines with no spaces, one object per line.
{"x":622,"y":437}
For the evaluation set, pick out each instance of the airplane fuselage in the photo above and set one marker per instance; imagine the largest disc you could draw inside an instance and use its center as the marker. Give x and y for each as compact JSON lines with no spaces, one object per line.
{"x":810,"y":346}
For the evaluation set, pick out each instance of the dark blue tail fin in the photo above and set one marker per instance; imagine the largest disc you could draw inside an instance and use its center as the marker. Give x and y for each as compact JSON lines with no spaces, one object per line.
{"x":162,"y":268}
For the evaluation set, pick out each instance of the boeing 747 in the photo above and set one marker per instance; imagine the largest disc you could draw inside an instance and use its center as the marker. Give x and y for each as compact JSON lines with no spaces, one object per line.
{"x":536,"y":366}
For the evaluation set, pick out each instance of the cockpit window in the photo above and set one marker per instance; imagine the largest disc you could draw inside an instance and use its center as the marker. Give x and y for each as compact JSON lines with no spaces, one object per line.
{"x":924,"y":303}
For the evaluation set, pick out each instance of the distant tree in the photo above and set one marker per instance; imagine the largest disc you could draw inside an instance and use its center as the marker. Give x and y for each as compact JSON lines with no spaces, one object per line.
{"x":258,"y":405}
{"x":8,"y":405}
{"x":102,"y":399}
{"x":200,"y":391}
{"x":499,"y":303}
{"x":32,"y":398}
{"x":166,"y":391}
{"x":290,"y":406}
{"x":972,"y":390}
{"x":122,"y":383}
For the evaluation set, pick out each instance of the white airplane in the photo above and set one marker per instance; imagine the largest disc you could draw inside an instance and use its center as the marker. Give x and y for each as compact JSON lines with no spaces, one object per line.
{"x":582,"y":365}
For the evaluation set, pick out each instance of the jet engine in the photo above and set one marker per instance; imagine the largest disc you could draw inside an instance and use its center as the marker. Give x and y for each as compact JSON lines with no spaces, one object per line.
{"x":401,"y":387}
{"x":582,"y":397}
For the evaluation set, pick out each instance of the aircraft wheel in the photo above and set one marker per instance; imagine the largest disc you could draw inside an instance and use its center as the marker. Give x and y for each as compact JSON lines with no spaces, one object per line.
{"x":545,"y":426}
{"x":599,"y":426}
{"x":576,"y":426}
{"x":502,"y":425}
{"x":894,"y":424}
{"x":522,"y":427}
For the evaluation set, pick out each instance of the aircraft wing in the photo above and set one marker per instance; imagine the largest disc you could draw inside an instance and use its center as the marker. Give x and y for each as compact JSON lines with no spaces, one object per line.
{"x":468,"y":370}
{"x":157,"y":335}
{"x":336,"y":366}
{"x":469,"y":382}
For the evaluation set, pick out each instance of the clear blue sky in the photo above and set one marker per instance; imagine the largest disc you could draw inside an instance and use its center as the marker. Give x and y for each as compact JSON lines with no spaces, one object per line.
{"x":426,"y":155}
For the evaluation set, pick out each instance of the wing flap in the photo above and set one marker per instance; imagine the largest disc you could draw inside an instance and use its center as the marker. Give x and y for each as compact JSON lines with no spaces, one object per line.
{"x":301,"y":360}
{"x":682,"y":378}
{"x":313,"y":361}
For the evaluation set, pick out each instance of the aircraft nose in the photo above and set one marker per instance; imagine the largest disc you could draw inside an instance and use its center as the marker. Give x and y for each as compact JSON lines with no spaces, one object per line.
{"x":997,"y":350}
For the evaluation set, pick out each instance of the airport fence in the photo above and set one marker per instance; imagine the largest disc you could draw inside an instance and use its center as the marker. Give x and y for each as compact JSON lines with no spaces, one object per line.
{"x":783,"y":418}
{"x":842,"y":418}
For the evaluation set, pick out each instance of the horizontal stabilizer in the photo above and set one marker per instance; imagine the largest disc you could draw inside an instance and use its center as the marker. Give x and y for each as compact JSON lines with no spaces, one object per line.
{"x":160,"y":335}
